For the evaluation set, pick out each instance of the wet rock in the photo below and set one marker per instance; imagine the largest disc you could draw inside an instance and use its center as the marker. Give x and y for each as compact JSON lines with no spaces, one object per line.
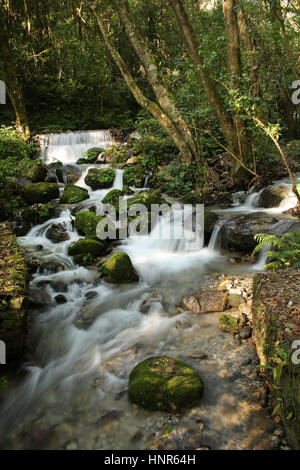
{"x":234,"y":300}
{"x":49,"y":267}
{"x":68,"y":174}
{"x":57,"y":233}
{"x":119,"y":269}
{"x":210,"y":220}
{"x":206,"y":301}
{"x":113,"y":198}
{"x":73,"y":194}
{"x":87,"y":246}
{"x":60,"y":299}
{"x":86,"y":223}
{"x":273,"y":195}
{"x":40,"y":192}
{"x":164,"y":383}
{"x":109,"y":419}
{"x":246,"y":332}
{"x":237,"y":233}
{"x":90,"y":156}
{"x":100,"y":179}
{"x":91,"y":295}
{"x":39,"y":298}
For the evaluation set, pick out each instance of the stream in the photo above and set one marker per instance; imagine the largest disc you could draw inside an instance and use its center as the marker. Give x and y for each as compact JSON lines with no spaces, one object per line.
{"x":80,"y":353}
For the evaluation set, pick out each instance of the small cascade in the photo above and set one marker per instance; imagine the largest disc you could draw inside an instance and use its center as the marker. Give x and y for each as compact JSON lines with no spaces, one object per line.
{"x":118,"y":183}
{"x":70,"y":146}
{"x":214,"y":242}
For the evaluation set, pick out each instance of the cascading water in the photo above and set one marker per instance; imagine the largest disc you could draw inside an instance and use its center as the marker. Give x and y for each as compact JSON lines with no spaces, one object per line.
{"x":80,"y":352}
{"x":70,"y":146}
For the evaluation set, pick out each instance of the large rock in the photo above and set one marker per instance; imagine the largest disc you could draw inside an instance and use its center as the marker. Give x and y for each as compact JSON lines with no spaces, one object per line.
{"x":85,"y":246}
{"x":113,"y":197}
{"x":237,"y":233}
{"x":33,"y":215}
{"x":57,"y":233}
{"x":119,"y":269}
{"x":40,"y":192}
{"x":86,"y":223}
{"x":14,"y":286}
{"x":164,"y":383}
{"x":100,"y":179}
{"x":206,"y":301}
{"x":73,"y":194}
{"x":272,"y":196}
{"x":90,"y":156}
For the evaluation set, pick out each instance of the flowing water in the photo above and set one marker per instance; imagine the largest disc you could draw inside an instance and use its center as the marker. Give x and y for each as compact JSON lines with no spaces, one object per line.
{"x":80,"y":353}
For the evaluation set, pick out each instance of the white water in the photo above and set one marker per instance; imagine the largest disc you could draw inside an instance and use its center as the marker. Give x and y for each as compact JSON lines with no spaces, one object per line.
{"x":68,"y":147}
{"x":74,"y":343}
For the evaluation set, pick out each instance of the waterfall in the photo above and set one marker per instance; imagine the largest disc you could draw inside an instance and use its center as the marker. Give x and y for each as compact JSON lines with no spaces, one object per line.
{"x":70,"y":146}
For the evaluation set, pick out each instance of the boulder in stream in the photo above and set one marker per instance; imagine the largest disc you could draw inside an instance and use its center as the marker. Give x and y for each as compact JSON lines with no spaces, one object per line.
{"x":273,"y":195}
{"x":119,"y":269}
{"x":86,"y":246}
{"x":40,"y":192}
{"x":73,"y":194}
{"x":57,"y":233}
{"x":164,"y":383}
{"x":100,"y":178}
{"x":237,"y":233}
{"x":86,"y":223}
{"x":205,"y":301}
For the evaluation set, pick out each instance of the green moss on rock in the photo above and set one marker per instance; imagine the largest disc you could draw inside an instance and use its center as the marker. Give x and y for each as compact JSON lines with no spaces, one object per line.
{"x":113,"y":197}
{"x":119,"y":269}
{"x":100,"y":178}
{"x":164,"y":383}
{"x":86,"y":246}
{"x":73,"y":194}
{"x":231,"y":324}
{"x":40,"y":192}
{"x":86,"y":223}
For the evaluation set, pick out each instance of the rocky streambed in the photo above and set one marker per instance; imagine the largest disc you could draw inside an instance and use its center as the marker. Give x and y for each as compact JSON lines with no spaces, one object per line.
{"x":98,"y":309}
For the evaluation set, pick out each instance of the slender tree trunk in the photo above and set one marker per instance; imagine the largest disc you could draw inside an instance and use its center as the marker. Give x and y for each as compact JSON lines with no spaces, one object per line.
{"x":148,"y":61}
{"x":234,"y":69}
{"x":208,"y":84}
{"x":156,"y":111}
{"x":12,"y":82}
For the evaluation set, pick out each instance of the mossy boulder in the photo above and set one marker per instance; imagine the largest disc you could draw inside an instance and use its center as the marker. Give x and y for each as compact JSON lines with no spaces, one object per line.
{"x":113,"y":197}
{"x":40,"y":192}
{"x":164,"y":383}
{"x":119,"y":269}
{"x":134,"y":176}
{"x":231,"y":324}
{"x":272,"y":196}
{"x":87,"y":246}
{"x":73,"y":194}
{"x":90,"y":156}
{"x":86,"y":223}
{"x":147,"y":198}
{"x":100,"y":178}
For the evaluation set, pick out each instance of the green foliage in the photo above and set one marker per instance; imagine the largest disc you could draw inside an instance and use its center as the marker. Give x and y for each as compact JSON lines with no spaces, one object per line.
{"x":176,"y":178}
{"x":15,"y":159}
{"x":285,"y":252}
{"x":3,"y":382}
{"x":155,"y":151}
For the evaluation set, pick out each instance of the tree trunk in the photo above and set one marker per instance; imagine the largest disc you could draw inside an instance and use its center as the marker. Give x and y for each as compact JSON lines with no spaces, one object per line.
{"x":12,"y":83}
{"x":156,"y":111}
{"x":208,"y":84}
{"x":234,"y":70}
{"x":148,"y":61}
